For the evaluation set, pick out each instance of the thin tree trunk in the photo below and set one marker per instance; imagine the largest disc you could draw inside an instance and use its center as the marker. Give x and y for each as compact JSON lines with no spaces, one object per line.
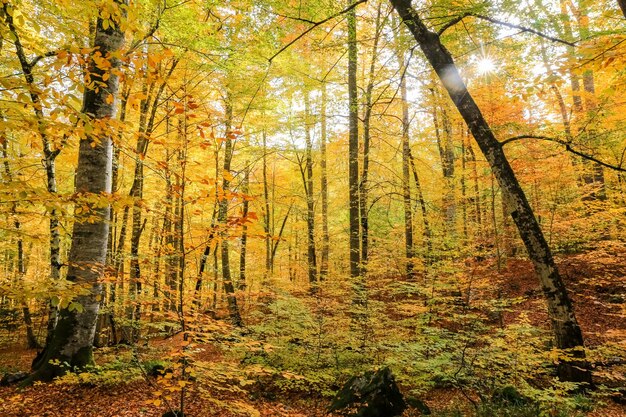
{"x":222,"y":218}
{"x":280,"y":235}
{"x":353,"y":158}
{"x":31,"y":339}
{"x":245,"y":189}
{"x":593,"y":174}
{"x":406,"y":180}
{"x":565,"y":326}
{"x":266,"y":213}
{"x":422,"y":202}
{"x":324,"y":186}
{"x":180,"y":219}
{"x":476,"y":199}
{"x":307,"y":178}
{"x":367,"y":116}
{"x":49,"y":162}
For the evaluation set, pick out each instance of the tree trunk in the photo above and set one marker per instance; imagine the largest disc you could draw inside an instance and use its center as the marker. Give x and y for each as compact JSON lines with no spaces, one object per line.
{"x":566,"y":329}
{"x":367,"y":116}
{"x":223,"y":219}
{"x":324,"y":186}
{"x":31,"y":339}
{"x":622,"y":5}
{"x":266,"y":214}
{"x":310,"y":202}
{"x":593,"y":174}
{"x":422,"y":202}
{"x":72,"y":340}
{"x":49,"y":161}
{"x":353,"y":156}
{"x":406,"y":180}
{"x":245,"y":189}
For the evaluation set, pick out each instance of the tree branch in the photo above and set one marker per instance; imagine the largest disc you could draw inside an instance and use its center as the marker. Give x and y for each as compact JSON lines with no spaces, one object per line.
{"x":313,"y":26}
{"x":459,"y":18}
{"x":568,"y":147}
{"x":40,"y":57}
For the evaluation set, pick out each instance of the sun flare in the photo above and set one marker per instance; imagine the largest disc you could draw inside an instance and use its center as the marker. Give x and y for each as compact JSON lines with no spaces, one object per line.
{"x":485,"y":66}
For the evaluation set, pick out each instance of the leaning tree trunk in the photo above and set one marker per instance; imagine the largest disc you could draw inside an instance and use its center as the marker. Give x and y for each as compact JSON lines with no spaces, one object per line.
{"x":566,"y":329}
{"x":72,"y":340}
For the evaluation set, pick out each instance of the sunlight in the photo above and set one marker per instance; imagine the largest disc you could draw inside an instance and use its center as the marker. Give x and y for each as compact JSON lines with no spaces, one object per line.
{"x":485,"y":66}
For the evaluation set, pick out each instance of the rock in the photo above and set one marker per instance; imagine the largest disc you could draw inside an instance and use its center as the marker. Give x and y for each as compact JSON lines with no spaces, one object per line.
{"x":375,"y":394}
{"x":14,"y":378}
{"x":419,"y":405}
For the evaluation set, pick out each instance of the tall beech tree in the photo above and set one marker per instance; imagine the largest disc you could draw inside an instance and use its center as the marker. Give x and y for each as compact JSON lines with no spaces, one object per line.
{"x":566,"y":330}
{"x":72,"y":341}
{"x":50,"y":152}
{"x":353,"y":147}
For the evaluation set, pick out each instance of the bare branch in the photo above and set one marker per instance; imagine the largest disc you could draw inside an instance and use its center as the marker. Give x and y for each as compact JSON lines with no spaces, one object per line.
{"x":314,"y":25}
{"x":40,"y":57}
{"x":568,"y":147}
{"x":522,"y":29}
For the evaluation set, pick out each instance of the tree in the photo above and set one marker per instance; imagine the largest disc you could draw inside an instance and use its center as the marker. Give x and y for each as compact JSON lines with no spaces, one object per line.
{"x":564,"y":324}
{"x":353,"y":148}
{"x":222,"y":216}
{"x":72,"y":340}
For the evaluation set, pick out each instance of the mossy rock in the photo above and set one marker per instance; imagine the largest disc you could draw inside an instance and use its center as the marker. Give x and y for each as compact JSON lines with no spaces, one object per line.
{"x":374,"y":394}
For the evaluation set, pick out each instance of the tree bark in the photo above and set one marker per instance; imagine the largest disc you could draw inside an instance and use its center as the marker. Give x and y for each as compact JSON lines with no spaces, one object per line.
{"x":367,"y":116}
{"x":406,"y":180}
{"x":245,"y":189}
{"x":310,"y":202}
{"x":49,"y":161}
{"x":353,"y":152}
{"x":622,"y":6}
{"x":222,"y":218}
{"x":564,"y":324}
{"x":324,"y":186}
{"x":592,"y":174}
{"x":72,"y":340}
{"x":31,"y":339}
{"x":267,"y":218}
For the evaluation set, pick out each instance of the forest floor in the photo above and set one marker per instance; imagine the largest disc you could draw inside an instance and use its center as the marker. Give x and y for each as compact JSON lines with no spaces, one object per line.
{"x":596,"y":280}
